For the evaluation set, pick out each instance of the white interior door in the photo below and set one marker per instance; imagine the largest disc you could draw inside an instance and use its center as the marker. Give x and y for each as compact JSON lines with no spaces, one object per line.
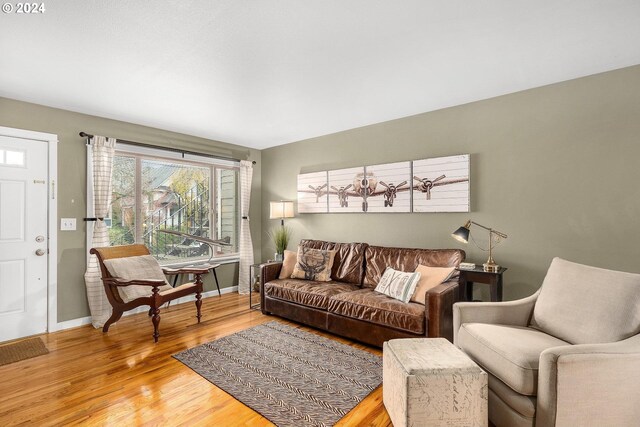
{"x":23,"y":237}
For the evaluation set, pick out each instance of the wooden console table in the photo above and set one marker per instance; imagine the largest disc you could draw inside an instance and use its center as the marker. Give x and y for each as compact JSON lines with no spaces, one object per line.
{"x":477,"y":275}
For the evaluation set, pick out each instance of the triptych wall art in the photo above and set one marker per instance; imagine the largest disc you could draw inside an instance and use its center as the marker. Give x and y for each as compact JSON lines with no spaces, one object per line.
{"x":431,"y":185}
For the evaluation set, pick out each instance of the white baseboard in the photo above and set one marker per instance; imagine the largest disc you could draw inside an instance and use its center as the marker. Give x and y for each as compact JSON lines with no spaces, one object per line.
{"x":73,"y":323}
{"x":81,"y":321}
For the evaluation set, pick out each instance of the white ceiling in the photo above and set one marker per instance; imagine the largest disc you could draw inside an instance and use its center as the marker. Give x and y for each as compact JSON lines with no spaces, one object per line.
{"x":269,"y":72}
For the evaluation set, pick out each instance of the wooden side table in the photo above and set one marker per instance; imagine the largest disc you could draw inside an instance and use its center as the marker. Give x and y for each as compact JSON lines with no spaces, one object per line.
{"x":477,"y":275}
{"x":212,"y":268}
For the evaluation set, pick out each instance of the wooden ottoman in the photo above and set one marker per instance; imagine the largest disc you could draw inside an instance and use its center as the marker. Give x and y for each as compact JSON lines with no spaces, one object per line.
{"x":430,"y":382}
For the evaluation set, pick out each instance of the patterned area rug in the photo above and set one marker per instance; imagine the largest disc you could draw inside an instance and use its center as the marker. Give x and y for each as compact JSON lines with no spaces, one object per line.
{"x":291,"y":377}
{"x":21,"y":350}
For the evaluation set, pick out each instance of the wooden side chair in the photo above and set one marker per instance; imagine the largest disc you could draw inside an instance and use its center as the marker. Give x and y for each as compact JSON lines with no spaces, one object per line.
{"x":133,"y":278}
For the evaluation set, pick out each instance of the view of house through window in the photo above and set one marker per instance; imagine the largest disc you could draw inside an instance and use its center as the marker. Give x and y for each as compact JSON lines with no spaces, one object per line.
{"x":151,"y":194}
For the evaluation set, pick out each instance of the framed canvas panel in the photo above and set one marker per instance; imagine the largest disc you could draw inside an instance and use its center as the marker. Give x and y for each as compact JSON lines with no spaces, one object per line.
{"x":313,"y":193}
{"x":391,"y":185}
{"x":346,"y":193}
{"x":441,"y":184}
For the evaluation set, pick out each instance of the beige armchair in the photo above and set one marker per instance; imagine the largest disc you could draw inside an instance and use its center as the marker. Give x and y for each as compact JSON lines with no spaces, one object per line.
{"x":569,"y":355}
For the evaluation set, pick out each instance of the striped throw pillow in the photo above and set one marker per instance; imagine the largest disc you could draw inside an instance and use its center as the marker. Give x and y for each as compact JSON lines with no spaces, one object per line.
{"x":398,"y":284}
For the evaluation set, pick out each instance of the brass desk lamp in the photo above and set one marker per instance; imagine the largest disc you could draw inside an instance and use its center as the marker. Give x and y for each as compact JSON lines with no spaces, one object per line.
{"x":462,"y":234}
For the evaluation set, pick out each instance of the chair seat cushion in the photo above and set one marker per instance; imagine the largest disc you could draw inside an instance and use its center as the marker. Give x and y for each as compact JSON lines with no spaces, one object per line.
{"x":374,"y":307}
{"x":142,"y":267}
{"x":523,"y":405}
{"x":510,"y":353}
{"x":306,"y":292}
{"x":147,"y":291}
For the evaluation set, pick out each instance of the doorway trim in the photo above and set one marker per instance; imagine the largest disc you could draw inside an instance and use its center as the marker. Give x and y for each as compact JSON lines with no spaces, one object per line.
{"x":52,"y":216}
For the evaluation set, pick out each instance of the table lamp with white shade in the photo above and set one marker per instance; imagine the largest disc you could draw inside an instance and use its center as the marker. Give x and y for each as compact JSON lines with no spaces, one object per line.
{"x":280,"y":210}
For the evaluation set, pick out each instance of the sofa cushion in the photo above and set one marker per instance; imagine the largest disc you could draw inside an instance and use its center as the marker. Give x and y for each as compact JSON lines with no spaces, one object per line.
{"x":378,"y":258}
{"x":510,"y":353}
{"x":371,"y":306}
{"x":306,"y":292}
{"x":398,"y":284}
{"x":348,"y":263}
{"x":588,"y":305}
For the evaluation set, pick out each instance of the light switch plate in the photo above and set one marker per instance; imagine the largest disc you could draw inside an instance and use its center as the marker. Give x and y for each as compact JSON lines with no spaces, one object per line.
{"x":67,"y":224}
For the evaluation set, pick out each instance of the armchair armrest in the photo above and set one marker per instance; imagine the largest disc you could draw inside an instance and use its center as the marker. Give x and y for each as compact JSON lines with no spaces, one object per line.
{"x":439,"y":306}
{"x":268,"y":272}
{"x":517,"y":313}
{"x":590,"y":384}
{"x":119,"y":282}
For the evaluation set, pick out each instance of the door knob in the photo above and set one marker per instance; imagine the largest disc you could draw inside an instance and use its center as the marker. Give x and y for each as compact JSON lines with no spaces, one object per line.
{"x":40,"y":252}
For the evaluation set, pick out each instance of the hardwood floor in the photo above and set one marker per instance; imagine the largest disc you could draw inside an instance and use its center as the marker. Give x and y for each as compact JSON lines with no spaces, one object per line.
{"x":122,"y":378}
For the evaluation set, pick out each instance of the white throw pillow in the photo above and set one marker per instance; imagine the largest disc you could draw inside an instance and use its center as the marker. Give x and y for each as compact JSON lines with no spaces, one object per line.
{"x":398,"y":284}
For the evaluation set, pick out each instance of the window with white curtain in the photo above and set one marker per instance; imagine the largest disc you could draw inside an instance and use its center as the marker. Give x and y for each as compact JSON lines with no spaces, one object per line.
{"x":155,"y":190}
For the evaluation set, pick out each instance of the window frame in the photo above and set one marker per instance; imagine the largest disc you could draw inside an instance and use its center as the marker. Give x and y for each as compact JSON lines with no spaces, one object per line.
{"x":139,"y":153}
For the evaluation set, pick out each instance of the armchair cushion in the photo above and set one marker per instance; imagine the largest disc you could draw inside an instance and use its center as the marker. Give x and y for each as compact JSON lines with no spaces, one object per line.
{"x":582,"y":304}
{"x":142,"y":267}
{"x":525,"y":406}
{"x":510,"y":353}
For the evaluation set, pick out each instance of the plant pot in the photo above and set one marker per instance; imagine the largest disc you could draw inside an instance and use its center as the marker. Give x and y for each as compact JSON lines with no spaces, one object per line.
{"x":279,"y":257}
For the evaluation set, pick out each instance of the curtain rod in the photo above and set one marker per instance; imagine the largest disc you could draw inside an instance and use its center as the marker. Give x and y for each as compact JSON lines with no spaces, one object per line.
{"x":176,"y":150}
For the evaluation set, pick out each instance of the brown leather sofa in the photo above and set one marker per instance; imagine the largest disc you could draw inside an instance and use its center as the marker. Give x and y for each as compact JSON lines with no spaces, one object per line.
{"x":348,"y":305}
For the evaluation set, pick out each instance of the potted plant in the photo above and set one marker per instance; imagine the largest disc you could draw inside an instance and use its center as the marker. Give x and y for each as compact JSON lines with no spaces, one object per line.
{"x":280,"y":237}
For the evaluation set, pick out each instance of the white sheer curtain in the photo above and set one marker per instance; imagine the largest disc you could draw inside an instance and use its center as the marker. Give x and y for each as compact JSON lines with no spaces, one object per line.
{"x":246,"y":246}
{"x":99,"y":165}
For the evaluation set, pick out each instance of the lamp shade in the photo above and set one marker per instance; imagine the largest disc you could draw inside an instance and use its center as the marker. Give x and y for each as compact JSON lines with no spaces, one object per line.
{"x":281,"y":209}
{"x":462,"y":233}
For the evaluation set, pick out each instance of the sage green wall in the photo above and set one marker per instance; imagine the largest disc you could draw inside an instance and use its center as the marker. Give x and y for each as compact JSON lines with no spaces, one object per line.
{"x":556,"y":168}
{"x":72,"y":300}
